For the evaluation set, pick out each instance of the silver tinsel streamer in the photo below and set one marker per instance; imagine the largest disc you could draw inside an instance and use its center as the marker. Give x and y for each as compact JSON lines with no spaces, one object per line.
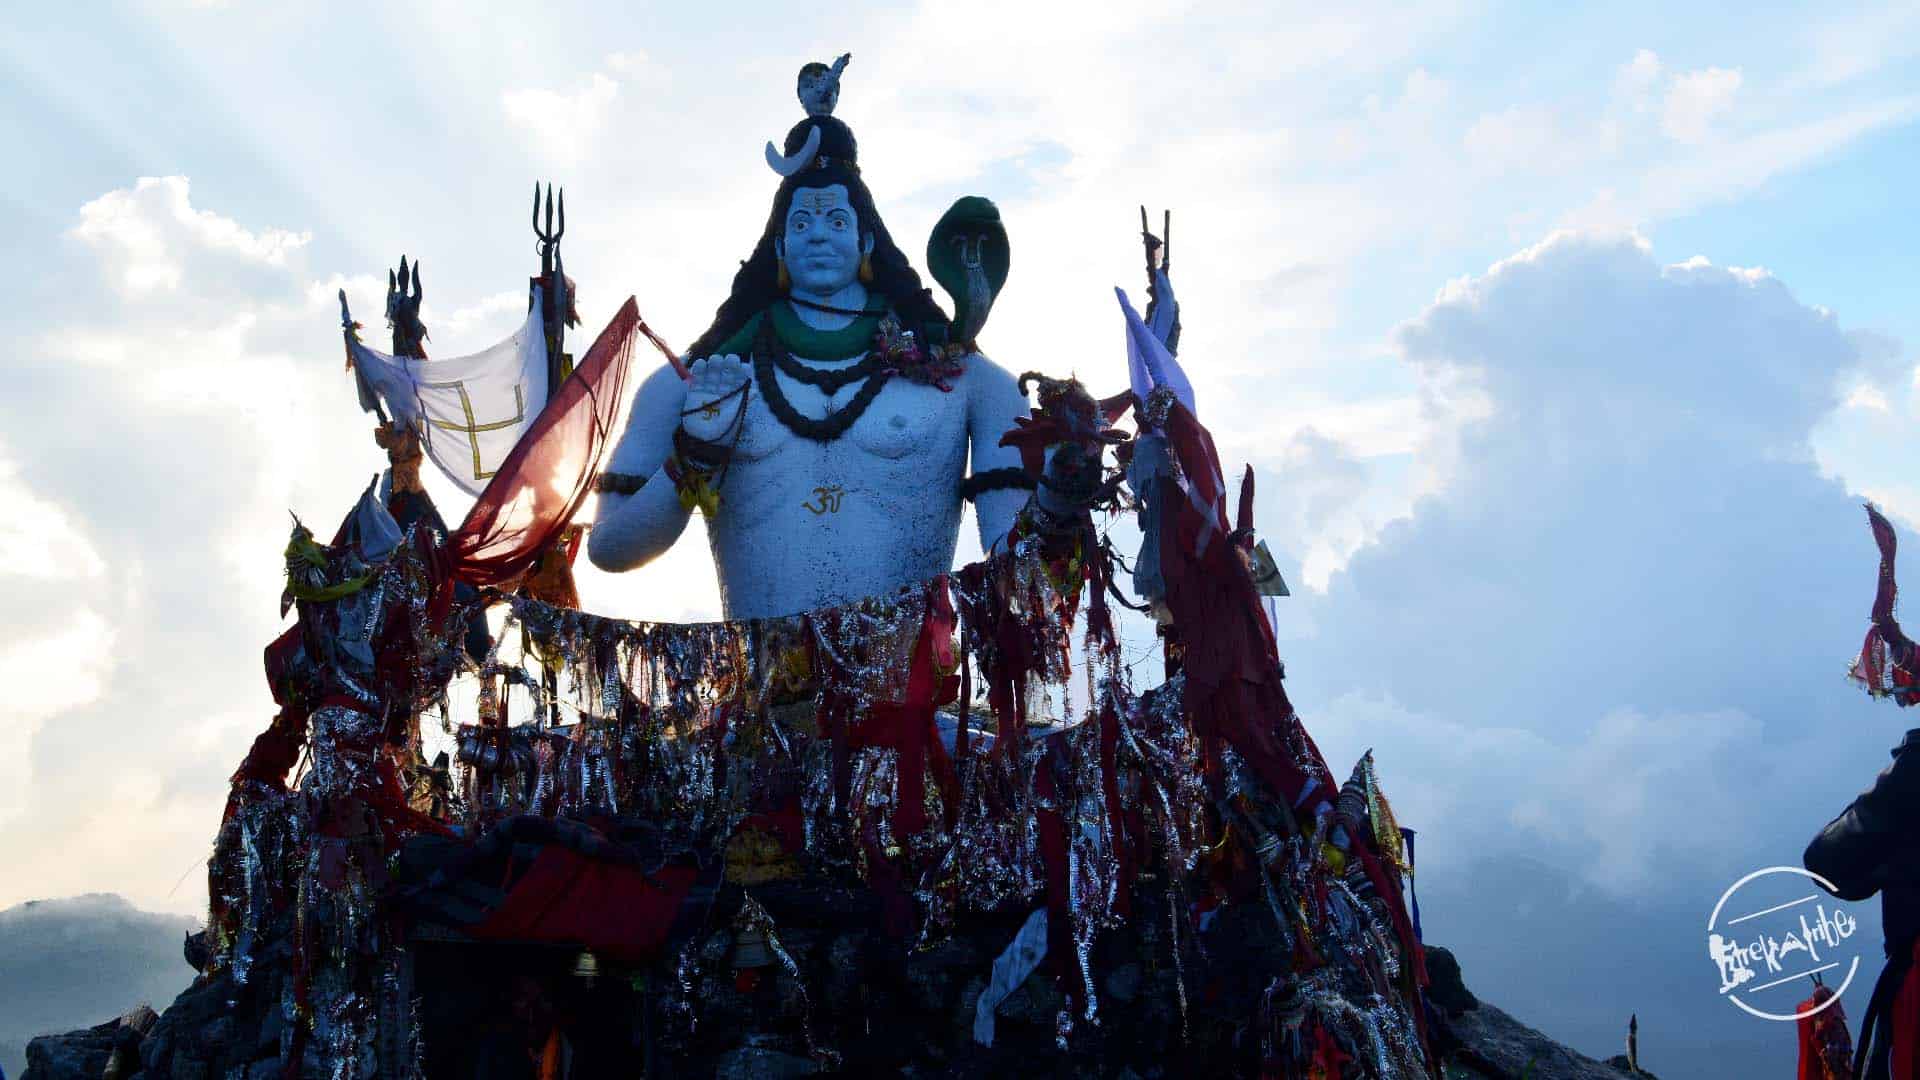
{"x":755,"y":916}
{"x":685,"y":725}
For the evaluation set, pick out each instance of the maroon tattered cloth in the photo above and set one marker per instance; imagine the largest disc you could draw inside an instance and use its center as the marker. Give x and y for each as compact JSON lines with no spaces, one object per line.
{"x":549,"y":473}
{"x":568,"y":897}
{"x":1231,"y":661}
{"x":1886,"y":662}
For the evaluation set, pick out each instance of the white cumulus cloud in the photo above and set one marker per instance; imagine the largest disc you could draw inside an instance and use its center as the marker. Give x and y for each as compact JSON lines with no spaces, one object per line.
{"x":47,"y":672}
{"x":38,"y":537}
{"x":1635,"y":540}
{"x":1606,"y":654}
{"x":140,"y":233}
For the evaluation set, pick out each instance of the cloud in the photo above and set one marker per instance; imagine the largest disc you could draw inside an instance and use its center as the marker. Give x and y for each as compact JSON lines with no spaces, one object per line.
{"x":1867,"y":397}
{"x":502,"y":312}
{"x":48,"y":670}
{"x":1313,"y":503}
{"x":1632,"y":529}
{"x":562,"y":123}
{"x":204,"y":430}
{"x":1686,"y":102}
{"x":1609,"y":646}
{"x":638,"y":66}
{"x":1519,"y":135}
{"x":1695,"y":99}
{"x":1845,"y":46}
{"x":55,"y":670}
{"x":38,"y":537}
{"x":1595,"y":801}
{"x":142,"y":234}
{"x":141,"y":565}
{"x":1637,"y":82}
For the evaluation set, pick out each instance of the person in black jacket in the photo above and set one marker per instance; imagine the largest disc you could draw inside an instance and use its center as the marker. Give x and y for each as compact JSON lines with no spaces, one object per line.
{"x":1874,"y":844}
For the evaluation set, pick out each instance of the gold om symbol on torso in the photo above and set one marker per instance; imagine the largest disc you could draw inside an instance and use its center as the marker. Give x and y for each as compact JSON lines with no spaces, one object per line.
{"x":826,"y":500}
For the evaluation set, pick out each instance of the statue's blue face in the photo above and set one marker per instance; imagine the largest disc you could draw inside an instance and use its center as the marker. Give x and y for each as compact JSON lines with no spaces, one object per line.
{"x":822,"y":242}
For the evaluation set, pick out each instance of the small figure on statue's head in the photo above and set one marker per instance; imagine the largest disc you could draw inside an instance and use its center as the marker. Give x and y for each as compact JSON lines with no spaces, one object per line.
{"x":819,"y":86}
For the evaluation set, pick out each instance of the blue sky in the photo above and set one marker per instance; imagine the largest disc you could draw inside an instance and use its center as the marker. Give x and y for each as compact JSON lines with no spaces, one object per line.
{"x":1430,"y":261}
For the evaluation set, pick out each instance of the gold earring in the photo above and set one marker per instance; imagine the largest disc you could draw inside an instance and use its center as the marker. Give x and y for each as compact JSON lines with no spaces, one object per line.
{"x":866,"y":269}
{"x":782,"y":281}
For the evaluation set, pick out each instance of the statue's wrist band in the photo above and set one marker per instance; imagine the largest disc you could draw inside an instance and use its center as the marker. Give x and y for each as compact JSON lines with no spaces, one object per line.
{"x":616,"y":483}
{"x":980,"y":483}
{"x":700,"y":452}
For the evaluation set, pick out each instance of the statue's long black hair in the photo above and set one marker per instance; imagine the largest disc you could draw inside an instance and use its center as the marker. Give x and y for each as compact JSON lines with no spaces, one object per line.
{"x":757,"y":284}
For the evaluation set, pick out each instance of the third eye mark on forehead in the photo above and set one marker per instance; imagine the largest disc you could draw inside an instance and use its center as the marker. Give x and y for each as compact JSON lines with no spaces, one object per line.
{"x":817,"y":202}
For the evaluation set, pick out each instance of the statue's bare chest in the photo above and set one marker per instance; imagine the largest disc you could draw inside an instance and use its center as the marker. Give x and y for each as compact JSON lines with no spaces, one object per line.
{"x":803,"y":520}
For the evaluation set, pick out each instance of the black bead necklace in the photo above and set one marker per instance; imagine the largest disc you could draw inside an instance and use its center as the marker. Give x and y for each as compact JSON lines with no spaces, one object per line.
{"x":769,"y":353}
{"x":829,"y":380}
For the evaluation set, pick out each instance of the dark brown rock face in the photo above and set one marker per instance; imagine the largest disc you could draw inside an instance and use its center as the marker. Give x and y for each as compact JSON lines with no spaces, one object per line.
{"x":880,"y":1009}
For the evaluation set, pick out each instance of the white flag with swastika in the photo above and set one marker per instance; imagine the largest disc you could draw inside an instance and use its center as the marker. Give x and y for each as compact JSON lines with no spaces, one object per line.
{"x":469,"y":410}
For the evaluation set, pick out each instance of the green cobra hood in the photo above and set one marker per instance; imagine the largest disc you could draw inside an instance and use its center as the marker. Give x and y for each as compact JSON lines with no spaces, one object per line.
{"x":967,"y":255}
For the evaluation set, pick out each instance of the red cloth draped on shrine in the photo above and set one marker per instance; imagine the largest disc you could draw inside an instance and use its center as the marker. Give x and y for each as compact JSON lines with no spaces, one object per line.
{"x":549,"y":473}
{"x":617,"y":910}
{"x":1232,"y":663}
{"x":276,"y":750}
{"x":908,"y":726}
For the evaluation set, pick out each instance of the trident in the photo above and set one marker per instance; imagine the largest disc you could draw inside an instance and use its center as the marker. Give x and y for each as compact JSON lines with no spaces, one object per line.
{"x":1159,"y":252}
{"x":554,"y":276}
{"x":549,"y":236}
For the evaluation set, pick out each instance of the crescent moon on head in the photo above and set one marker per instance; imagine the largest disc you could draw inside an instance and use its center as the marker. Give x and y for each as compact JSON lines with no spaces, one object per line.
{"x":787,"y":166}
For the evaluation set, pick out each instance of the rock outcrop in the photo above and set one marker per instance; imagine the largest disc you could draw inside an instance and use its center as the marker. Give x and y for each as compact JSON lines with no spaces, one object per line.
{"x":1485,"y":1043}
{"x":215,"y":1029}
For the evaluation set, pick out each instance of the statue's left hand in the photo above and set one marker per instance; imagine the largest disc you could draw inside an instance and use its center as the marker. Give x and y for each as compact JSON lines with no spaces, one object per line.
{"x":714,"y":397}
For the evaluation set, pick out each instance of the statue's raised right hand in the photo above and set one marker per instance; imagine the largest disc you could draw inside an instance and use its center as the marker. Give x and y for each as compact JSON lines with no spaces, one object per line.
{"x":714,"y":398}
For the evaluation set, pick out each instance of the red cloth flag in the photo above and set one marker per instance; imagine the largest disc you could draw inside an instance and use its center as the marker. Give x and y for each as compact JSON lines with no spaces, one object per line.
{"x":548,"y":475}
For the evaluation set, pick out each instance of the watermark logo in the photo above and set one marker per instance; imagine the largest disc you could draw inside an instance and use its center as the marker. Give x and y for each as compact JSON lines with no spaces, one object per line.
{"x":1773,"y":935}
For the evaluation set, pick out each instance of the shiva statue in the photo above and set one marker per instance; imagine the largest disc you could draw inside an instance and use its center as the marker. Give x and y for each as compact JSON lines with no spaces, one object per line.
{"x":826,"y":419}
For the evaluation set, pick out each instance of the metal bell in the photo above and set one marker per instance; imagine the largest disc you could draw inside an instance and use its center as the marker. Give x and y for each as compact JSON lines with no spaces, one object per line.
{"x":586,"y":966}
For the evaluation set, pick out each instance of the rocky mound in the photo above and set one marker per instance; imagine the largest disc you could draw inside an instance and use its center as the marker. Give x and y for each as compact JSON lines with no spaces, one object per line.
{"x":202,"y":1035}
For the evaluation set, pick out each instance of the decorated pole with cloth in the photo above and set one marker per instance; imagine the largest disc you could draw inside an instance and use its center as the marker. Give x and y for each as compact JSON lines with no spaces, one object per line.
{"x":469,"y":411}
{"x":1197,"y":569}
{"x":556,"y":292}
